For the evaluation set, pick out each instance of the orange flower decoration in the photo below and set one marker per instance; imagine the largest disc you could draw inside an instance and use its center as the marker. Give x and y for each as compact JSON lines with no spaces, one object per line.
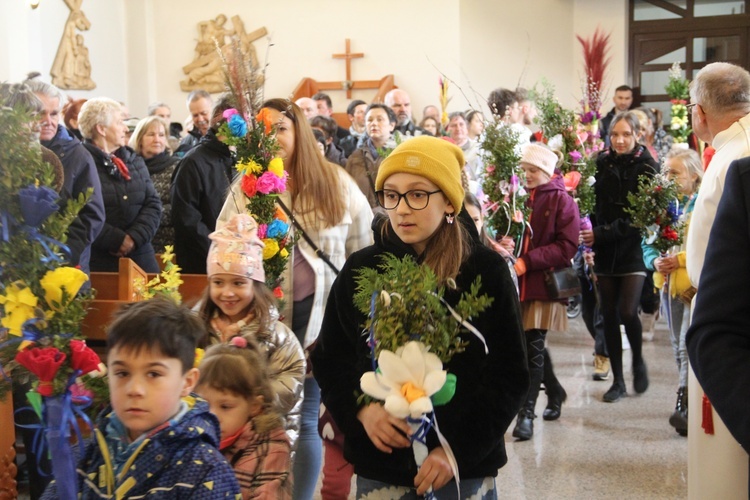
{"x":281,"y":215}
{"x":264,"y":117}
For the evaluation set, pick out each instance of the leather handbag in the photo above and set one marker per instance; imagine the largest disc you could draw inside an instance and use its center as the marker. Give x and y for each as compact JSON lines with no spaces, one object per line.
{"x":562,"y":283}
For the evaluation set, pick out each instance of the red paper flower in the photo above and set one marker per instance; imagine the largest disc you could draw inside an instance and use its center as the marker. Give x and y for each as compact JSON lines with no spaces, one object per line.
{"x":44,"y":362}
{"x":248,"y":185}
{"x":278,"y":293}
{"x":83,"y":358}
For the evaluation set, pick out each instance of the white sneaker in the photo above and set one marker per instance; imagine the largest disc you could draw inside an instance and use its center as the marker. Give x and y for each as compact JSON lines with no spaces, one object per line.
{"x":647,"y":324}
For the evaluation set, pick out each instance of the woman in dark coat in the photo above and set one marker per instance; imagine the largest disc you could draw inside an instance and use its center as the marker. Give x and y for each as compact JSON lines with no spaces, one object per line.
{"x":551,"y":244}
{"x":150,"y":140}
{"x":131,"y":204}
{"x":419,"y":186}
{"x":619,"y":262}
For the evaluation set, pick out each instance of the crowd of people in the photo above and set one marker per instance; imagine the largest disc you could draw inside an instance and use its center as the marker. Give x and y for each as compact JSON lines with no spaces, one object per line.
{"x":274,"y":381}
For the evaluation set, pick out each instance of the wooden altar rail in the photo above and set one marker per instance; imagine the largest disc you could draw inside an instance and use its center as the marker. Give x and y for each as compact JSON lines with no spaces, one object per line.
{"x":115,"y":289}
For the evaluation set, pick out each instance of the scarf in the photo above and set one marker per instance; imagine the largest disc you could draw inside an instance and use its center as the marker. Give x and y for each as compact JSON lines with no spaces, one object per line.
{"x":121,"y":167}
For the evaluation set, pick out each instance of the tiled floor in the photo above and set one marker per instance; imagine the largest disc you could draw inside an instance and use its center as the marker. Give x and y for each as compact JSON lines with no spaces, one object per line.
{"x":623,"y":450}
{"x":598,"y":450}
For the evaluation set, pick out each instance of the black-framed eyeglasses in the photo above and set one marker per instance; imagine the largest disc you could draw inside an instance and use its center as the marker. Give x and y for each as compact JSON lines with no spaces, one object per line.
{"x":691,"y":106}
{"x":416,"y":199}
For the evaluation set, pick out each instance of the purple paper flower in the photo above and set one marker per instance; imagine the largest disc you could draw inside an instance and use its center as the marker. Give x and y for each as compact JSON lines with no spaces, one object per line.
{"x":237,"y":125}
{"x":575,"y":156}
{"x":262,"y":231}
{"x":277,"y":229}
{"x":37,"y":203}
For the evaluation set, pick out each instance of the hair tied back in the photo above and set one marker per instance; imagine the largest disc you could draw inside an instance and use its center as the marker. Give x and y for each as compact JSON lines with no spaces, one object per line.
{"x":238,"y":342}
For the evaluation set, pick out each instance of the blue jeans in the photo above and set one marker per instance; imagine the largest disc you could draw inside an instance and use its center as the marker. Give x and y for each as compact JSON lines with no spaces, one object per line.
{"x":679,"y":323}
{"x":479,"y":488}
{"x":309,"y":446}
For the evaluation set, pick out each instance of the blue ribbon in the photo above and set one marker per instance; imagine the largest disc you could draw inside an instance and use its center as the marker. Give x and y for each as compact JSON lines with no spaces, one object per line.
{"x":72,"y":409}
{"x":421,"y":435}
{"x":45,"y":241}
{"x":6,"y":219}
{"x":371,"y":338}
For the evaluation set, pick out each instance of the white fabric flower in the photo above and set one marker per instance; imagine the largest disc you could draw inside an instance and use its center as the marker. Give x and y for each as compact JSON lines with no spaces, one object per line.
{"x":406,"y":380}
{"x":556,"y":143}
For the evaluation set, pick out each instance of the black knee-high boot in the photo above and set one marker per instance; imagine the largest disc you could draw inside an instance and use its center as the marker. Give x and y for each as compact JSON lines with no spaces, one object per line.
{"x":556,"y":394}
{"x":535,"y":355}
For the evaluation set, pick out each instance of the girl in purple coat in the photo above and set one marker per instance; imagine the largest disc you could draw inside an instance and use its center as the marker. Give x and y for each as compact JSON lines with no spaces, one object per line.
{"x":551,"y":244}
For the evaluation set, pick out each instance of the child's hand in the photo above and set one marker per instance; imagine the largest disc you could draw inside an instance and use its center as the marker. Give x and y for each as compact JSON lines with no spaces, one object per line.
{"x":435,"y":472}
{"x":586,"y":237}
{"x":508,"y":243}
{"x":384,"y":430}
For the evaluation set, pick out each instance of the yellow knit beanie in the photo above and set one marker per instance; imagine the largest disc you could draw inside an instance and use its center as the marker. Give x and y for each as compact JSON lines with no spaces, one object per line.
{"x":435,"y":159}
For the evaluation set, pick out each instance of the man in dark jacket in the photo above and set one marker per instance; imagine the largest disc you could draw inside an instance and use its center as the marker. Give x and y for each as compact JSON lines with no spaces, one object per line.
{"x":80,"y":174}
{"x":199,"y":186}
{"x":623,"y":100}
{"x":400,"y":102}
{"x":199,"y":104}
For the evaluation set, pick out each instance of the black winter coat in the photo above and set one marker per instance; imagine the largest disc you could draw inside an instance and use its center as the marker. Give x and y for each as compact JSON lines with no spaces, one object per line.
{"x":490,"y":387}
{"x":80,"y":175}
{"x":199,"y":187}
{"x":132,"y":207}
{"x":617,"y":244}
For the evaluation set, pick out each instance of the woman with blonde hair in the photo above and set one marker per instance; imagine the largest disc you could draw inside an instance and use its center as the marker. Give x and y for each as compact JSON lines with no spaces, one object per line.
{"x":334,"y":214}
{"x":150,"y":139}
{"x":685,"y":168}
{"x":131,"y":205}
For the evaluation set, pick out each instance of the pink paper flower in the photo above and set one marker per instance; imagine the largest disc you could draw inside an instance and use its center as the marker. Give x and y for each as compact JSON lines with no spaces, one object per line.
{"x":270,"y":183}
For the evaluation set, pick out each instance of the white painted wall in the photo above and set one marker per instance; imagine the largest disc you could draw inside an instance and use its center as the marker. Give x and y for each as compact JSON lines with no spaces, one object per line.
{"x":138,"y":47}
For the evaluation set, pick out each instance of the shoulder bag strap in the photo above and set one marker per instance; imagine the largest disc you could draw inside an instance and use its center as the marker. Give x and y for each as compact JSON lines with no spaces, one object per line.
{"x":320,"y":253}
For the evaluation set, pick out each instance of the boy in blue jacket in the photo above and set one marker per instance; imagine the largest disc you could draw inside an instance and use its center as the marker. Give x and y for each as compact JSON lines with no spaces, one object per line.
{"x":156,"y":439}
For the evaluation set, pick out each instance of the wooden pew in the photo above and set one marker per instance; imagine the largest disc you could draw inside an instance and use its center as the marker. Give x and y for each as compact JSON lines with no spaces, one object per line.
{"x":115,"y":289}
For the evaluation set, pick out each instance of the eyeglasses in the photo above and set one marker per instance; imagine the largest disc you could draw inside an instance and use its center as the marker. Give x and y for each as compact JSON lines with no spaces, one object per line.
{"x":691,"y":106}
{"x":416,"y":199}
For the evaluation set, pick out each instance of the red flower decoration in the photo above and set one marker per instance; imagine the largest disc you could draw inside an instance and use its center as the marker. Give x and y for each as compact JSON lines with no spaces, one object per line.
{"x":44,"y":362}
{"x":278,"y":293}
{"x":265,"y":118}
{"x":82,"y":357}
{"x":248,"y":185}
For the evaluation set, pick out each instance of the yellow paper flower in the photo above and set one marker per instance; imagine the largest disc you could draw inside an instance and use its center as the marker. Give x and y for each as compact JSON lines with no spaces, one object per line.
{"x":271,"y":249}
{"x":199,"y":353}
{"x":54,"y":281}
{"x":277,"y":167}
{"x":249,"y":167}
{"x":19,"y":304}
{"x":284,"y":253}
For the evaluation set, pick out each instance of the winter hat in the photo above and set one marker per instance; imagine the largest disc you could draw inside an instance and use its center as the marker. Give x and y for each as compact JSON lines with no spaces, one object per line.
{"x":541,"y":157}
{"x":435,"y":159}
{"x":236,"y":249}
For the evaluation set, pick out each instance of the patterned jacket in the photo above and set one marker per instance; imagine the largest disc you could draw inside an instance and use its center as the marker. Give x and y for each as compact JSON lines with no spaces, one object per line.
{"x":174,"y":462}
{"x":262,"y":463}
{"x":286,"y":368}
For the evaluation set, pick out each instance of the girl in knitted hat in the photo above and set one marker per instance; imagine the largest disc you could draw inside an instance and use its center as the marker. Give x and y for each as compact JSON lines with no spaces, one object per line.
{"x":235,"y":381}
{"x":237,"y":302}
{"x":551,"y":244}
{"x":419,"y":187}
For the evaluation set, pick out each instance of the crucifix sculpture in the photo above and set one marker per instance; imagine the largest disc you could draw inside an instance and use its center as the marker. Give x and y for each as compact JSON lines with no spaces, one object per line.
{"x":348,"y":56}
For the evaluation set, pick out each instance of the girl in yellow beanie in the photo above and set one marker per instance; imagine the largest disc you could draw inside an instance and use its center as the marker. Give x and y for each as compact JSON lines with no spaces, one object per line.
{"x":419,"y":187}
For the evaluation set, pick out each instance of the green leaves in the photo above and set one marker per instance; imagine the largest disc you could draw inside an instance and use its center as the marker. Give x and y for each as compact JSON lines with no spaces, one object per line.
{"x":408,"y":306}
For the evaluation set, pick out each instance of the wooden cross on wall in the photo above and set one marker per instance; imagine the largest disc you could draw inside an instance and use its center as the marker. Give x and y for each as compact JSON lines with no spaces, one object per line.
{"x":348,"y":84}
{"x":348,"y":56}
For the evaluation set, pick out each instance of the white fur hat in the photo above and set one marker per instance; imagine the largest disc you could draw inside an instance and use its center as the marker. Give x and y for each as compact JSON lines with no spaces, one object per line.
{"x":540,"y":156}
